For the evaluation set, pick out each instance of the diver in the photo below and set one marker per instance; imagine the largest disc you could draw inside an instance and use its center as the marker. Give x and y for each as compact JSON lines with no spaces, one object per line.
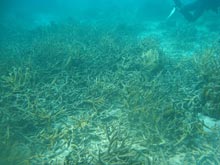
{"x":194,"y":10}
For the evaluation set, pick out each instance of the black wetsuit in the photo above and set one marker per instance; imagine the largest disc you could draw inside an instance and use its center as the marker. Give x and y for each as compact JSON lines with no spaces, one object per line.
{"x":194,"y":10}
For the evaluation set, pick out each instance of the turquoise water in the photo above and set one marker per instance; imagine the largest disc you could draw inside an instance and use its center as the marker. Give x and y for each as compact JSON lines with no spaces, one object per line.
{"x":106,"y":82}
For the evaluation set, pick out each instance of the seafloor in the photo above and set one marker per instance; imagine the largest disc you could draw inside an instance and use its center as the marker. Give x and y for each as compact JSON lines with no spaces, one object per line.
{"x":110,"y":93}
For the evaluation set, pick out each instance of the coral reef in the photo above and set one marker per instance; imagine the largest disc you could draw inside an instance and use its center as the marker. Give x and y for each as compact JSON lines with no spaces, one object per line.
{"x":74,"y":93}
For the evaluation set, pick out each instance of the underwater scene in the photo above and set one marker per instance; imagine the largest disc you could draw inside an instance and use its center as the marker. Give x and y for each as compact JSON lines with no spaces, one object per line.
{"x":108,"y":82}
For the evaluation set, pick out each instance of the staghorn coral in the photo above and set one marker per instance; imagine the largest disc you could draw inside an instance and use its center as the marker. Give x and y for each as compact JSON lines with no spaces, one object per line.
{"x":92,"y":101}
{"x":17,"y":79}
{"x":151,"y":60}
{"x":208,"y":68}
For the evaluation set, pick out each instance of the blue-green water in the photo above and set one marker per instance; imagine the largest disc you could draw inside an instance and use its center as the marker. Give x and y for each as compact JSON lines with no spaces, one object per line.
{"x":107,"y":82}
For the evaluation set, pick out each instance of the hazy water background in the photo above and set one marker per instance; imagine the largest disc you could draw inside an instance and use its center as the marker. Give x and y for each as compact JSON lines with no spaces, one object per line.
{"x":31,"y":11}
